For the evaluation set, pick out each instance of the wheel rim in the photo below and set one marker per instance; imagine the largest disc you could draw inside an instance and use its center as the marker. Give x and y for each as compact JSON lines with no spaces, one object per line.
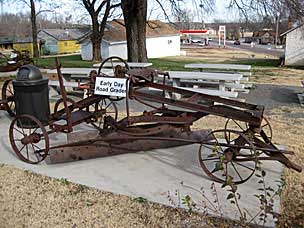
{"x":266,"y":128}
{"x":9,"y":96}
{"x":225,"y":159}
{"x":31,"y":145}
{"x":232,"y":124}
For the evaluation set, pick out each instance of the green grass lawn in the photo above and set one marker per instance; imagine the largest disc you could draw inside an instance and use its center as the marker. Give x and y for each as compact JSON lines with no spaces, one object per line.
{"x":158,"y":63}
{"x":66,"y":61}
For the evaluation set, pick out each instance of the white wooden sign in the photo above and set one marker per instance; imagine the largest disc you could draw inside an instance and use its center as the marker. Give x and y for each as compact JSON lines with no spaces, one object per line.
{"x":111,"y":86}
{"x":222,"y":28}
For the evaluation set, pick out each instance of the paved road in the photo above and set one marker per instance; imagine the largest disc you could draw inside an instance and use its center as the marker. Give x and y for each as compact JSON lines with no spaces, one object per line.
{"x":261,"y":49}
{"x":258,"y":48}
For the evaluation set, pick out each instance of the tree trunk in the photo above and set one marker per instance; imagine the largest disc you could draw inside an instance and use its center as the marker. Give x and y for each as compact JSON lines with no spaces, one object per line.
{"x":135,"y":16}
{"x":96,"y":39}
{"x":96,"y":50}
{"x":34,"y":30}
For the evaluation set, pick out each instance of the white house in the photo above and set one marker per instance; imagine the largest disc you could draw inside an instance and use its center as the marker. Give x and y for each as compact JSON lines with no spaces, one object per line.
{"x":294,"y":49}
{"x":162,"y":40}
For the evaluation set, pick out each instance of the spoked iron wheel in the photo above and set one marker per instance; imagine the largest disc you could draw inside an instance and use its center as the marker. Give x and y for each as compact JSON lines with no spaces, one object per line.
{"x":9,"y":96}
{"x":228,"y":156}
{"x":29,"y":139}
{"x":117,"y":65}
{"x":232,"y":124}
{"x":59,"y":105}
{"x":118,"y":68}
{"x":105,"y":107}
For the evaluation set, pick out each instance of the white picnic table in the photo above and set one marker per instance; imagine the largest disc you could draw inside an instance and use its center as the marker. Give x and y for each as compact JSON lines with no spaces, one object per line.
{"x":202,"y":66}
{"x":221,"y":78}
{"x":131,"y":64}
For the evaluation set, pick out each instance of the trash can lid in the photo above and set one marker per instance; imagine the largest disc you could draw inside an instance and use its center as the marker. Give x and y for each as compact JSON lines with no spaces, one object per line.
{"x":28,"y":73}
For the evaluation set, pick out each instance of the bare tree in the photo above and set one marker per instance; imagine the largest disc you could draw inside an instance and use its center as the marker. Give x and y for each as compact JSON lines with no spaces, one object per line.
{"x":268,"y":7}
{"x":97,"y":9}
{"x":33,"y":16}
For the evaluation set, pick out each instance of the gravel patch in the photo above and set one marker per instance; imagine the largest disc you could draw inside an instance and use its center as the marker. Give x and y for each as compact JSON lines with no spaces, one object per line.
{"x":272,"y":96}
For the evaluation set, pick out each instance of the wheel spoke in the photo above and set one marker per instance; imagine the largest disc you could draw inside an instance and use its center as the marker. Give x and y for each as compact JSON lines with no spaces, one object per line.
{"x":210,"y":159}
{"x":238,"y":124}
{"x":35,"y":130}
{"x":226,"y":173}
{"x":107,"y":106}
{"x":236,"y":171}
{"x":213,"y":149}
{"x":19,"y":131}
{"x":21,"y":149}
{"x":244,"y":166}
{"x":21,"y":126}
{"x":36,"y":154}
{"x":37,"y":147}
{"x":27,"y":153}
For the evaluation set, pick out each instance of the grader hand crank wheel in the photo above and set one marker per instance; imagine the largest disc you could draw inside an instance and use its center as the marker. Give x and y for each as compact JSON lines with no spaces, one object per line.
{"x":228,"y":160}
{"x":119,"y":69}
{"x":29,"y":139}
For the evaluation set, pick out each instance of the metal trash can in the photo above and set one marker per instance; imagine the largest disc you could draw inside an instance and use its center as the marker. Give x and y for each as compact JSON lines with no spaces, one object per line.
{"x":31,"y":94}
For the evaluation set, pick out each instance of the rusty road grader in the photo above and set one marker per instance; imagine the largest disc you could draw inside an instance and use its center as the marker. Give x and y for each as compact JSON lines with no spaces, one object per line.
{"x":229,"y":153}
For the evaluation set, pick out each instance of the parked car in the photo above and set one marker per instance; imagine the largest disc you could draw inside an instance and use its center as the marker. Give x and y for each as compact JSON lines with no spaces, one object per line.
{"x":194,"y":41}
{"x":237,"y":42}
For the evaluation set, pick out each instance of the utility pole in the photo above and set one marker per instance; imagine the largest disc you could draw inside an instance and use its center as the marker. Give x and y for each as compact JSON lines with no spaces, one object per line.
{"x":277,"y":29}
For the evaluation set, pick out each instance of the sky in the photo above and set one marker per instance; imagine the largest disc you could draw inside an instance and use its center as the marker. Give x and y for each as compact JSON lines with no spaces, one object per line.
{"x":154,"y":12}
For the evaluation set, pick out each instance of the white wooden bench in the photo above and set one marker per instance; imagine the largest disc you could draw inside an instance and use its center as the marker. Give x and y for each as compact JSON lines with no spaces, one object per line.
{"x":74,"y":73}
{"x":65,"y":83}
{"x":224,"y":68}
{"x":209,"y":84}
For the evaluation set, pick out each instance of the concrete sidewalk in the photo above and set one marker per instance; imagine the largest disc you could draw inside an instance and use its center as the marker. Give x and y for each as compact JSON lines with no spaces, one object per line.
{"x":149,"y":174}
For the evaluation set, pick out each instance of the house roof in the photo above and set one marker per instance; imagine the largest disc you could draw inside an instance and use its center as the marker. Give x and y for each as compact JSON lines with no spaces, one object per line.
{"x":64,"y":34}
{"x":290,"y":30}
{"x":24,"y":40}
{"x":6,"y":40}
{"x":116,"y":32}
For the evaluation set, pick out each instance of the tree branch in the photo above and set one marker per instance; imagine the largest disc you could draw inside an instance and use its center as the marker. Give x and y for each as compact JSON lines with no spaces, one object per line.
{"x":101,"y":5}
{"x":25,"y":2}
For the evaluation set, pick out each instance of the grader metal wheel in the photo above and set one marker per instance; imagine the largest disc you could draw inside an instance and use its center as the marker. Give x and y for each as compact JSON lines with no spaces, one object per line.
{"x":59,"y":105}
{"x":9,"y":96}
{"x":229,"y":156}
{"x":106,"y":107}
{"x":29,"y":139}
